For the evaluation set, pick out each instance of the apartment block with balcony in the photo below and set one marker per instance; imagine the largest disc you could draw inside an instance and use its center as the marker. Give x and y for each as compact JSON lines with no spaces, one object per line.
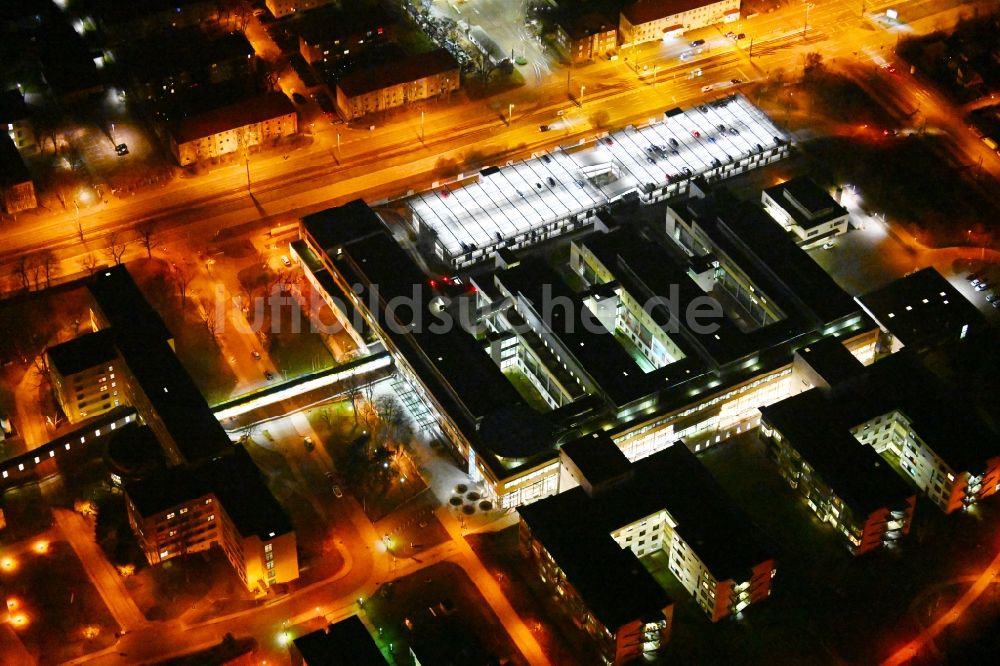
{"x":915,"y":420}
{"x":844,"y":482}
{"x":336,"y":32}
{"x":223,"y":502}
{"x":87,"y":375}
{"x":651,"y":20}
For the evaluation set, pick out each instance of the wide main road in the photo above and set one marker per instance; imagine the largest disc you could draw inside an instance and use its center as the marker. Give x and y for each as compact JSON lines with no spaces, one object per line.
{"x":409,"y":153}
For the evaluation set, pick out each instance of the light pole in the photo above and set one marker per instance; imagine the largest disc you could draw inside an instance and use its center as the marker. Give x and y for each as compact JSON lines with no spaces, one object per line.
{"x":510,"y":114}
{"x":583,"y":89}
{"x":421,"y":125}
{"x":805,"y":27}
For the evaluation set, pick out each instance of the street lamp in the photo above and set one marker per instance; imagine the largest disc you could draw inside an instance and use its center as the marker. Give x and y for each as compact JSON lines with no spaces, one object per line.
{"x":583,"y":89}
{"x":805,"y":27}
{"x":510,"y":114}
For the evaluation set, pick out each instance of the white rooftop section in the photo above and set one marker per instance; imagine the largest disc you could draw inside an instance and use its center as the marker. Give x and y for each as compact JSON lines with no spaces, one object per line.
{"x":503,"y":204}
{"x":508,"y":202}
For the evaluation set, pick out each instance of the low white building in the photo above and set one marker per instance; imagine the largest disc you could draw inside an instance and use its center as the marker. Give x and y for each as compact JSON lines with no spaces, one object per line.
{"x":805,"y":210}
{"x":651,"y":20}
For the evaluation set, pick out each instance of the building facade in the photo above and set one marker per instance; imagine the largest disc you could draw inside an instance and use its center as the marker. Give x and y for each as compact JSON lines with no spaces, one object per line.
{"x":806,"y":211}
{"x":651,"y":20}
{"x":253,"y":123}
{"x":587,"y":37}
{"x":842,"y":481}
{"x":224,"y":503}
{"x":279,"y":8}
{"x":390,"y":86}
{"x":17,"y":189}
{"x":88,"y":376}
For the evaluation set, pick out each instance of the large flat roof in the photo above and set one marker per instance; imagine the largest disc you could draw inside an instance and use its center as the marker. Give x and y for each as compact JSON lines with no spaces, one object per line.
{"x":142,"y":339}
{"x":233,"y":478}
{"x":853,"y":471}
{"x":344,"y":643}
{"x":83,"y":352}
{"x":922,"y":308}
{"x":503,"y":203}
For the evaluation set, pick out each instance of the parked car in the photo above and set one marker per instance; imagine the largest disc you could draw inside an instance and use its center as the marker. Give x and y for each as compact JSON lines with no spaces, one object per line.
{"x":697,"y":42}
{"x":828,"y":245}
{"x":286,"y":261}
{"x":337,"y":492}
{"x":255,"y":354}
{"x":121,"y":149}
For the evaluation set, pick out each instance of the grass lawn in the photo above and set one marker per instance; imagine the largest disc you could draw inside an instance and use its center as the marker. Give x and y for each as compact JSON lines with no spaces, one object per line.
{"x":501,"y":555}
{"x":202,"y":581}
{"x":25,"y":512}
{"x":447,"y":584}
{"x":55,"y":597}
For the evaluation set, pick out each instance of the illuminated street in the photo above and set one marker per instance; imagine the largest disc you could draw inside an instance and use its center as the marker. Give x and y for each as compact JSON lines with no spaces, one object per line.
{"x":475,"y":331}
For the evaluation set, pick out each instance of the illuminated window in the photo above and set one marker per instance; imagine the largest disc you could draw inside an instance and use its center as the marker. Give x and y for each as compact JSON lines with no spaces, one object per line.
{"x":171,"y":515}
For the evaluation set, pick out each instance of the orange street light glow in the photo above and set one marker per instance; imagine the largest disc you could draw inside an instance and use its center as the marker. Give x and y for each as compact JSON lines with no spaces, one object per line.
{"x":41,"y":547}
{"x":8,"y":564}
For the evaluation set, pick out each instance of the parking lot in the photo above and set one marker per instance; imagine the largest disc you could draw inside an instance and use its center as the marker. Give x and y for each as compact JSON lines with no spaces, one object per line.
{"x":505,"y":22}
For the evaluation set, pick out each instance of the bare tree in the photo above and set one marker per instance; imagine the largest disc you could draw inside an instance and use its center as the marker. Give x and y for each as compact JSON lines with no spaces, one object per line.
{"x":89,"y":263}
{"x":145,"y":231}
{"x":183,"y":280}
{"x":391,"y":414}
{"x":49,"y":265}
{"x":21,"y":271}
{"x":211,"y":322}
{"x":352,"y":391}
{"x":79,"y":229}
{"x":115,"y":245}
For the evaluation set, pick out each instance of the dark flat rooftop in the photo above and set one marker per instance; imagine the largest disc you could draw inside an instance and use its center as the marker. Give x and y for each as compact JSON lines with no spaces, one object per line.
{"x":596,"y":460}
{"x":612,"y":581}
{"x":345,"y":643}
{"x":831,"y":360}
{"x":334,"y":227}
{"x":597,"y":351}
{"x":141,"y":337}
{"x":83,"y":352}
{"x":855,"y":472}
{"x":233,"y":478}
{"x":409,"y":69}
{"x":922,"y":309}
{"x":821,"y":207}
{"x":13,"y":171}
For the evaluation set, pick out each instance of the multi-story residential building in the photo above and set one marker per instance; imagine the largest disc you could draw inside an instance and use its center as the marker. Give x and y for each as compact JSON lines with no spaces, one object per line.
{"x":336,"y":32}
{"x":344,"y":643}
{"x":650,"y":20}
{"x":911,"y":417}
{"x":844,"y":482}
{"x":15,"y":117}
{"x":17,"y":189}
{"x":251,"y":123}
{"x":669,"y":504}
{"x":922,"y":310}
{"x":207,"y":495}
{"x":396,"y":84}
{"x":279,"y":8}
{"x":603,"y":589}
{"x":805,"y":210}
{"x":125,"y":21}
{"x":223,"y":501}
{"x":87,"y":375}
{"x":169,"y":65}
{"x":587,"y":37}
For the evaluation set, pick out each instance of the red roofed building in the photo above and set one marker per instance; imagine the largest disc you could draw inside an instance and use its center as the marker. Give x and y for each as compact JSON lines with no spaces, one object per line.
{"x":650,"y":20}
{"x":397,"y":84}
{"x":221,"y":131}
